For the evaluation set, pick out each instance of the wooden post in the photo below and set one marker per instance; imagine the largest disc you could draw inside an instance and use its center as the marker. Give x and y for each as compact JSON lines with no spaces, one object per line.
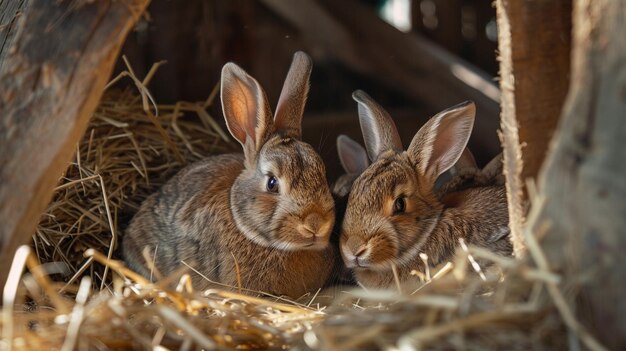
{"x":50,"y":85}
{"x":582,"y":210}
{"x":534,"y":45}
{"x":10,"y":12}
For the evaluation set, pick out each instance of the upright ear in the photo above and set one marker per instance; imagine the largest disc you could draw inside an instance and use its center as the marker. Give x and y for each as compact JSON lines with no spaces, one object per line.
{"x":379,"y":131}
{"x":440,"y":142}
{"x":466,"y":160}
{"x":288,"y":117}
{"x":247,"y":113}
{"x":352,"y":155}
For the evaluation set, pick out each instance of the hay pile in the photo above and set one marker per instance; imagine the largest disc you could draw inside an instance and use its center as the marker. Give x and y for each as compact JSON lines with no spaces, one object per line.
{"x":127,"y":153}
{"x":77,"y":296}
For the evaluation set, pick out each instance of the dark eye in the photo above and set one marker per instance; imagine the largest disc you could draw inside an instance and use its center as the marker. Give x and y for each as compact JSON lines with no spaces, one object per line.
{"x":399,"y":205}
{"x":272,"y":184}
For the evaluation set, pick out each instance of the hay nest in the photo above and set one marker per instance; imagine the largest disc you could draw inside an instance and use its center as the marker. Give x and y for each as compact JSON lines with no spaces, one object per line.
{"x":127,"y":153}
{"x":75,"y":295}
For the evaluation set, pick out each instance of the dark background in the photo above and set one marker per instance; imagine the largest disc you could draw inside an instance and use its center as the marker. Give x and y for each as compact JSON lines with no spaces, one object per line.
{"x":197,"y":37}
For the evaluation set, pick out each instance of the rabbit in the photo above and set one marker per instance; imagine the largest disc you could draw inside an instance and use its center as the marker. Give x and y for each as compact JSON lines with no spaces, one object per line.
{"x":472,"y":177}
{"x":261,"y":219}
{"x":393,"y":212}
{"x":354,"y":161}
{"x":465,"y":165}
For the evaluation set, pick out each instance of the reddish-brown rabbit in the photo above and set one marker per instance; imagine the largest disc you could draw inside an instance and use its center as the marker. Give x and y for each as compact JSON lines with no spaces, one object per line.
{"x":394,"y":213}
{"x":268,"y":211}
{"x":354,"y":161}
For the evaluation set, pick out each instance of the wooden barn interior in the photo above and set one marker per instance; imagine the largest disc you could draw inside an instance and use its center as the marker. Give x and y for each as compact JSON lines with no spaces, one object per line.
{"x":549,"y":83}
{"x":414,"y":76}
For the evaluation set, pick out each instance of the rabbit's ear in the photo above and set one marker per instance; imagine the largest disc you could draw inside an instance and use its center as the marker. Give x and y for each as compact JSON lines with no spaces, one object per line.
{"x":379,"y":131}
{"x":288,"y":117}
{"x":247,"y":113}
{"x":352,"y":155}
{"x":493,"y":169}
{"x":440,"y":142}
{"x":466,"y":160}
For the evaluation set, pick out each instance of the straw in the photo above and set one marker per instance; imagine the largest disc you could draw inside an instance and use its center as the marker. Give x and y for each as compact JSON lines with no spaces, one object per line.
{"x":132,"y":146}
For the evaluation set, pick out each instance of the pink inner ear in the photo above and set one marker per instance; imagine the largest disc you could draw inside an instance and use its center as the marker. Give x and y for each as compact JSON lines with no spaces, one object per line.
{"x":440,"y":142}
{"x":247,"y":124}
{"x":244,"y":107}
{"x":451,"y":136}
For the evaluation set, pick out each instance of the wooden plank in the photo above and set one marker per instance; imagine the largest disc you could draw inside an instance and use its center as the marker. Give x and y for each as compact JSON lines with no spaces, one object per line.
{"x":534,"y":45}
{"x":354,"y":34}
{"x":582,"y":184}
{"x":10,"y":13}
{"x":51,"y":83}
{"x":482,"y":46}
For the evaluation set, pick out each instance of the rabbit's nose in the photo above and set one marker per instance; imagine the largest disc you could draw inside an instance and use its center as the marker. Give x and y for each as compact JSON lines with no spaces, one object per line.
{"x":312,"y":223}
{"x":357,"y":254}
{"x":362,"y":255}
{"x":360,"y":251}
{"x":315,"y":226}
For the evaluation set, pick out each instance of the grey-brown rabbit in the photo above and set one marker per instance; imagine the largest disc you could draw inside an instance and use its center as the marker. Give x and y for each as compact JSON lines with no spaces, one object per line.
{"x":354,"y":161}
{"x":268,"y":211}
{"x":393,"y":212}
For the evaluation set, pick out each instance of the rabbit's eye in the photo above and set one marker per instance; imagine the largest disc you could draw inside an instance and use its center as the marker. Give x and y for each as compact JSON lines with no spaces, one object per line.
{"x":272,"y":184}
{"x":399,"y":206}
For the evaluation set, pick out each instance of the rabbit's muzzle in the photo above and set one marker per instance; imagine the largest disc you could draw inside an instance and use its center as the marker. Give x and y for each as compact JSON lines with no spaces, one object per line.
{"x":356,"y":253}
{"x":315,"y":228}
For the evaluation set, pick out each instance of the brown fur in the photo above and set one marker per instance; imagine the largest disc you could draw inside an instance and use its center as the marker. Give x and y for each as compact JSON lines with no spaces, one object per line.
{"x":354,"y":161}
{"x":217,"y":213}
{"x":432,"y":223}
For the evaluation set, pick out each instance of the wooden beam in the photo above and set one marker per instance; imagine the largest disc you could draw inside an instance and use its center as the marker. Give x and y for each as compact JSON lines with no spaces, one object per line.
{"x":534,"y":45}
{"x":50,"y":85}
{"x":10,"y":13}
{"x":581,"y":211}
{"x":353,"y":33}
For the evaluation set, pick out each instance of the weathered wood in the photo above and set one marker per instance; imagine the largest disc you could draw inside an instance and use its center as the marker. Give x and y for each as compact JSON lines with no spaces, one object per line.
{"x":583,"y":180}
{"x":483,"y":46}
{"x":353,"y":33}
{"x":10,"y":13}
{"x":443,"y":25}
{"x":461,"y":27}
{"x":534,"y":45}
{"x":196,"y":38}
{"x":50,"y":86}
